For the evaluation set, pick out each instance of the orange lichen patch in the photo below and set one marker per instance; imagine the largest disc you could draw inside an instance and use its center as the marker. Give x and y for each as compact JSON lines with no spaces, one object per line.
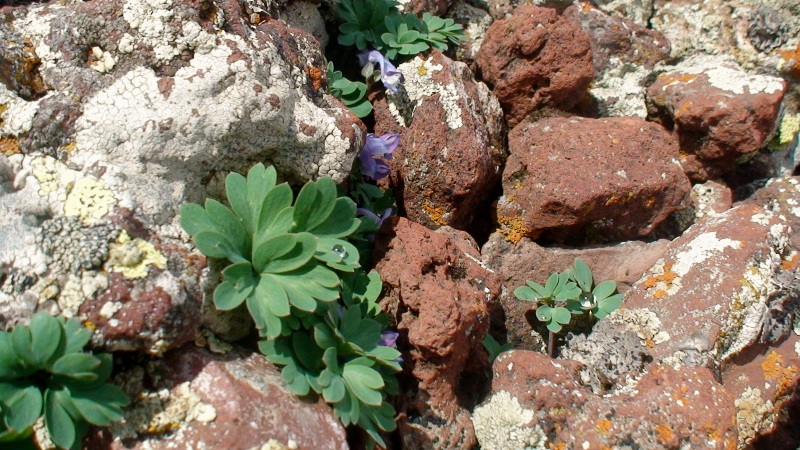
{"x":604,"y":425}
{"x":676,"y":77}
{"x":317,"y":80}
{"x":665,"y":433}
{"x":649,"y":342}
{"x":772,"y":365}
{"x":558,"y":446}
{"x":730,"y":444}
{"x":615,"y":199}
{"x":9,"y":146}
{"x":89,"y":325}
{"x":790,"y":61}
{"x":435,"y":213}
{"x":666,"y":278}
{"x":650,"y":202}
{"x":791,"y":263}
{"x":69,"y":147}
{"x":513,"y":228}
{"x":683,"y":109}
{"x":660,"y":293}
{"x":787,"y":382}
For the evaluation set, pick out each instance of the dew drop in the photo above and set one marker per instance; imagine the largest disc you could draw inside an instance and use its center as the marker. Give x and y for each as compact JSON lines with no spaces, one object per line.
{"x":588,"y":300}
{"x":339,"y":251}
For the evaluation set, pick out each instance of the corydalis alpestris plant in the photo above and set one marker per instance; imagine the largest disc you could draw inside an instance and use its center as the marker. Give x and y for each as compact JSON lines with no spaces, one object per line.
{"x":569,"y":293}
{"x":295,"y":267}
{"x":44,"y":370}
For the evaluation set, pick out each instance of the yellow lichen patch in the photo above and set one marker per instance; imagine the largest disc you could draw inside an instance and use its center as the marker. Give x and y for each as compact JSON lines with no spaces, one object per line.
{"x":9,"y":146}
{"x":604,"y":425}
{"x":133,"y":257}
{"x":69,"y":147}
{"x":89,"y":200}
{"x":89,"y":325}
{"x":665,"y":433}
{"x":435,"y":213}
{"x":513,"y":228}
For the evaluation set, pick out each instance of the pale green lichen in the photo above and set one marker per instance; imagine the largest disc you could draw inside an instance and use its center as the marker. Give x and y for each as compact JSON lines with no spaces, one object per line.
{"x":753,"y":416}
{"x":788,"y":129}
{"x":502,"y":424}
{"x":89,"y":200}
{"x":643,"y":322}
{"x":133,"y":257}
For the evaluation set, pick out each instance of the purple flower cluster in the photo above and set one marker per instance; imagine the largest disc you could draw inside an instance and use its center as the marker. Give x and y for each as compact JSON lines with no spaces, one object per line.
{"x":390,"y":76}
{"x":376,"y":150}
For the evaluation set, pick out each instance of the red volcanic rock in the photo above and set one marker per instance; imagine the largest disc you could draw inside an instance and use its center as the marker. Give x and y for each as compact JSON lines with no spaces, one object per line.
{"x":576,"y":180}
{"x":665,"y":408}
{"x":447,"y":166}
{"x":197,"y":399}
{"x":536,"y":58}
{"x":439,"y":294}
{"x":718,"y":113}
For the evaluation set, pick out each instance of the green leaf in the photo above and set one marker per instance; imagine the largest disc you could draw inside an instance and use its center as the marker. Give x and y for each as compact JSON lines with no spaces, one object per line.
{"x":314,"y":204}
{"x":364,"y":382}
{"x":230,"y":226}
{"x":305,"y":245}
{"x":76,"y":336}
{"x":608,"y":305}
{"x":21,"y":342}
{"x":79,"y":366}
{"x":555,"y":317}
{"x":334,"y":392}
{"x":23,"y":408}
{"x":307,"y":351}
{"x":46,"y":335}
{"x":217,"y":245}
{"x":267,"y":322}
{"x":604,"y":289}
{"x":582,"y":275}
{"x":341,"y":222}
{"x":194,"y":219}
{"x":384,"y":353}
{"x":100,"y":406}
{"x":276,"y":215}
{"x":10,"y":366}
{"x":236,"y":191}
{"x":526,"y":293}
{"x":59,"y":424}
{"x":240,"y":281}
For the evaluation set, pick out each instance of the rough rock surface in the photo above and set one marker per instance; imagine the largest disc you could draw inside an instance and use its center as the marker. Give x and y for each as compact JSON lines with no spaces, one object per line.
{"x":517,"y":263}
{"x":193,"y":398}
{"x":115,"y":113}
{"x":718,"y":113}
{"x":447,"y":166}
{"x":762,"y":34}
{"x":576,"y":180}
{"x":664,"y":408}
{"x":536,"y":58}
{"x":438,"y":293}
{"x":623,"y":54}
{"x":722,"y":287}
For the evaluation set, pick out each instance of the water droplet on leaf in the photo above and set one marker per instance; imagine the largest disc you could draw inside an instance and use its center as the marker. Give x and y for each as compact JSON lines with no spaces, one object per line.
{"x":588,"y":300}
{"x":339,"y":251}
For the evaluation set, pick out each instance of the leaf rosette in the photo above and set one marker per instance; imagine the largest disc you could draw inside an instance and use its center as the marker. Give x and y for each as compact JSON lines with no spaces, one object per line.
{"x":43,"y":370}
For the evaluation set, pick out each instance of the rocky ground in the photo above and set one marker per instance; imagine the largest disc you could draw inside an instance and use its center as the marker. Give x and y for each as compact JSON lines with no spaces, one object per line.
{"x":657,"y":140}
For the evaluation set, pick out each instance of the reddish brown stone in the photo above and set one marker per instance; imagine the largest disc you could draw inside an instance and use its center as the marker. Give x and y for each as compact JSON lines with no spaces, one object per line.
{"x":593,"y":180}
{"x":666,"y":409}
{"x":245,"y":402}
{"x":718,"y":113}
{"x":518,"y":263}
{"x":715,"y":287}
{"x":536,"y":58}
{"x":447,"y":166}
{"x":439,"y":296}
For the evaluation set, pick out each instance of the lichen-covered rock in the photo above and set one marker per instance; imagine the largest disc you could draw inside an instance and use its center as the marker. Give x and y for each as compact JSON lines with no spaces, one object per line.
{"x":447,"y":166}
{"x":439,"y":294}
{"x":193,"y":398}
{"x":147,"y":106}
{"x":536,"y":58}
{"x":637,"y":11}
{"x":517,"y":263}
{"x":759,"y":34}
{"x":475,"y":22}
{"x":665,"y":408}
{"x":727,"y":284}
{"x":623,"y":54}
{"x":596,"y":180}
{"x":718,"y":113}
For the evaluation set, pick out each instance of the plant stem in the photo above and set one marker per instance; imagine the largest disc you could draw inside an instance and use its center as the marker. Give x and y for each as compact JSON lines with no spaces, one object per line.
{"x":551,"y":344}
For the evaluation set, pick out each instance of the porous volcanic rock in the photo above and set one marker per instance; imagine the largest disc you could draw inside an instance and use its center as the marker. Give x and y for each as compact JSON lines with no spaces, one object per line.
{"x":518,"y":263}
{"x":446,"y":168}
{"x":193,"y":398}
{"x":536,"y":58}
{"x":439,"y":294}
{"x":664,"y":408}
{"x":718,"y":113}
{"x":576,"y":180}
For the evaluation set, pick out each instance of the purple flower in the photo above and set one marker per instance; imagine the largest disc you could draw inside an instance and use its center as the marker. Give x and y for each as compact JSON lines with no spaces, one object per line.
{"x":390,"y":76}
{"x":377,"y":147}
{"x":378,"y":219}
{"x":388,"y":338}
